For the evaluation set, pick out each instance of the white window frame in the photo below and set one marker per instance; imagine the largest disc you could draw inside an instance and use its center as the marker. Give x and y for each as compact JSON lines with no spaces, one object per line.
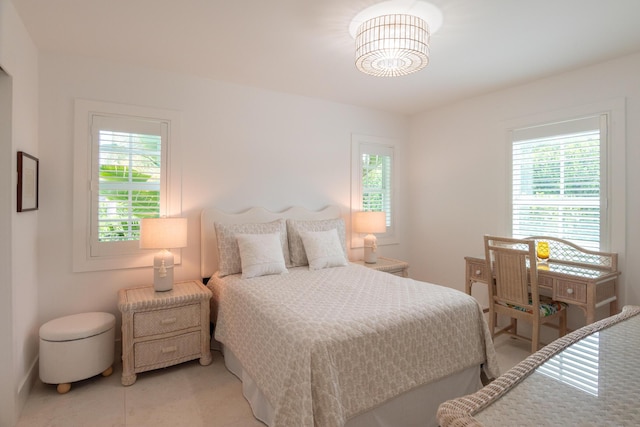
{"x":118,"y":255}
{"x":613,"y":207}
{"x":363,"y":144}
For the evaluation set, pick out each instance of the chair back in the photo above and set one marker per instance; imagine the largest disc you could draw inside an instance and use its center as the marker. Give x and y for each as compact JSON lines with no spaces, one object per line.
{"x":510,"y":260}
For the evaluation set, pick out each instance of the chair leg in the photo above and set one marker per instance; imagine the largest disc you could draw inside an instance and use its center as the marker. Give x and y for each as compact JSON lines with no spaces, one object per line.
{"x":563,"y":322}
{"x":535,"y":336}
{"x":492,"y":323}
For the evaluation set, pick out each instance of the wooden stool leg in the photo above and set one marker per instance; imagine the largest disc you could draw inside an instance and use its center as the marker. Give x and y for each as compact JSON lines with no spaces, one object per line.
{"x":108,"y":371}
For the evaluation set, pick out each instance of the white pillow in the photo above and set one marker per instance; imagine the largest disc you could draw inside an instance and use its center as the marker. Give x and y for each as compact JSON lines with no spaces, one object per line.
{"x":296,"y":248}
{"x":323,"y":249}
{"x":228,"y":254}
{"x":260,"y":254}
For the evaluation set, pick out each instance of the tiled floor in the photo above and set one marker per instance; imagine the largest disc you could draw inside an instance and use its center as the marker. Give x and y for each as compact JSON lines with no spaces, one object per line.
{"x":187,"y":394}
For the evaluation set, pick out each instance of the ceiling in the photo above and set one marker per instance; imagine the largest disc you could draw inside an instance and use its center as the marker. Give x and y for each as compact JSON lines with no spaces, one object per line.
{"x":304,"y":47}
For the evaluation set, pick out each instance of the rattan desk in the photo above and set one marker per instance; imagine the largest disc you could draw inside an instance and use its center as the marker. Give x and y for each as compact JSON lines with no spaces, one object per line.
{"x":584,"y":287}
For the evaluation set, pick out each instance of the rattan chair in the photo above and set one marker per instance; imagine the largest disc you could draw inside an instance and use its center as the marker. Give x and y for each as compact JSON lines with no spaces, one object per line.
{"x":514,"y":292}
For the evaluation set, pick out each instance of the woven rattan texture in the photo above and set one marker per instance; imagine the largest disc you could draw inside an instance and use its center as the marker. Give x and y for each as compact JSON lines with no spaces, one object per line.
{"x":145,"y":297}
{"x":168,"y":320}
{"x":162,"y":353}
{"x":461,"y":411}
{"x":388,"y":264}
{"x":161,"y":329}
{"x":562,"y":250}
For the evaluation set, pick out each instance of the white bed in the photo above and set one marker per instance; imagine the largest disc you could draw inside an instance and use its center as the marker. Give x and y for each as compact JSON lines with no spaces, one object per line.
{"x":344,"y":345}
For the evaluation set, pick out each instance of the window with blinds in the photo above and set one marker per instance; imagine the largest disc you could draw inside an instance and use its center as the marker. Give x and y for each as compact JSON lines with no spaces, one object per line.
{"x":126,"y":167}
{"x":128,"y":180}
{"x":373,"y":182}
{"x":128,"y":184}
{"x":558,"y":175}
{"x":376,"y":183}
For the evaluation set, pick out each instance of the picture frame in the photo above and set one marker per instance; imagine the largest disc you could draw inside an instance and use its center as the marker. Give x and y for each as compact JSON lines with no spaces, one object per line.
{"x":28,"y":176}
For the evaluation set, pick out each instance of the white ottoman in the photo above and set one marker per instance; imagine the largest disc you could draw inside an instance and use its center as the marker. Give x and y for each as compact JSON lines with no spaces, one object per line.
{"x":76,"y":347}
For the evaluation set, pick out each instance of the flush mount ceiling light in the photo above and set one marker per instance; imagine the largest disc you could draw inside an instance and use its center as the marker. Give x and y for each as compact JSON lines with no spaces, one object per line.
{"x":392,"y":37}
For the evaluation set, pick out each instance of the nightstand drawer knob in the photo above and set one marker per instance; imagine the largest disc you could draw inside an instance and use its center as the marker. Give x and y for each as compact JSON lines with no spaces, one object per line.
{"x":478,"y":272}
{"x":171,"y":349}
{"x":569,"y":291}
{"x":168,"y":320}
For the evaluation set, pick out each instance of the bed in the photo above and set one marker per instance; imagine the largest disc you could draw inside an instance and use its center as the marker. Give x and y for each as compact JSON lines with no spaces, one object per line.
{"x":588,"y":377}
{"x":330,"y":343}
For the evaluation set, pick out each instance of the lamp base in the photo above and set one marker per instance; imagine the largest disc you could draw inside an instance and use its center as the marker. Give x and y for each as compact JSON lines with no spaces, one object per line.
{"x":163,"y":271}
{"x":370,"y":246}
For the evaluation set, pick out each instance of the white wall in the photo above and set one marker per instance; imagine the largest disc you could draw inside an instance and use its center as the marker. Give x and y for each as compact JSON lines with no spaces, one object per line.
{"x":241,"y":147}
{"x":19,"y":231}
{"x":458,"y":169}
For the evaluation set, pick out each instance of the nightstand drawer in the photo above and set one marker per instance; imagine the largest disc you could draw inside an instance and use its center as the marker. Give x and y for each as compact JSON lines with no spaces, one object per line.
{"x":402,"y":272}
{"x":570,"y":291}
{"x":165,"y":350}
{"x":148,"y":323}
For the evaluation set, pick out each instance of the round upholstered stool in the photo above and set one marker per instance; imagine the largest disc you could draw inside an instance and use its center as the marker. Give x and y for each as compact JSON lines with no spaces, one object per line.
{"x":76,"y":347}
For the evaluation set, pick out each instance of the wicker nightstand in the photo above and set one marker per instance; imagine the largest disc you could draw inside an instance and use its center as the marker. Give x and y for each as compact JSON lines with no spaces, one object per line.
{"x":161,"y":329}
{"x":388,"y":265}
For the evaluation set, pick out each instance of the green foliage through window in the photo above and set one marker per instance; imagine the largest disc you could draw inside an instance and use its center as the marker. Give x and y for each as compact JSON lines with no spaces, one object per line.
{"x":128,"y":184}
{"x":556,"y":184}
{"x":376,"y":183}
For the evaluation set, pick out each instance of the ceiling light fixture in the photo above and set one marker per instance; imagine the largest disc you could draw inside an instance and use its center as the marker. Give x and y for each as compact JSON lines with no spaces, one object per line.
{"x":392,"y":37}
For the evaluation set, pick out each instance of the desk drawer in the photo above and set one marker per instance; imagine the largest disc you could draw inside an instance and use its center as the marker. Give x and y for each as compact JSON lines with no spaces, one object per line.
{"x":478,"y":271}
{"x":569,"y":291}
{"x":147,"y":323}
{"x":545,"y":282}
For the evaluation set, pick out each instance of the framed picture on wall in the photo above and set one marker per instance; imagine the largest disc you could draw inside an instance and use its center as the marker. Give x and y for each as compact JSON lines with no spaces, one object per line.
{"x":28,"y":170}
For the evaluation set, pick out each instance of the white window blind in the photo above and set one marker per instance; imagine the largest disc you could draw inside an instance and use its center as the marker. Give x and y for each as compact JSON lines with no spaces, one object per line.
{"x":558,"y":176}
{"x":128,"y":183}
{"x":128,"y":178}
{"x":373,"y":183}
{"x":376,"y":182}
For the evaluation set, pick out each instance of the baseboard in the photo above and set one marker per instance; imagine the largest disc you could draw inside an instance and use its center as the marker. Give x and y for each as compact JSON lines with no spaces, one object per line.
{"x":25,"y":387}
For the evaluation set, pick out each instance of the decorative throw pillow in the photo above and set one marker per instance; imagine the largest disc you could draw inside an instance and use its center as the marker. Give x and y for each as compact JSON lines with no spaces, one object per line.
{"x":323,"y":249}
{"x":228,"y":253}
{"x":296,"y":247}
{"x":260,"y":254}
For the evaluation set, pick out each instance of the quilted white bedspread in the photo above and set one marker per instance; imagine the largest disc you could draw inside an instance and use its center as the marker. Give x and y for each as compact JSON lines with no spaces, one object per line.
{"x":326,"y":345}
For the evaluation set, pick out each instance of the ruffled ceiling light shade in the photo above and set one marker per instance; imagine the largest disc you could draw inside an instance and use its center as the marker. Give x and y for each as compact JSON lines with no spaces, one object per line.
{"x":392,"y":45}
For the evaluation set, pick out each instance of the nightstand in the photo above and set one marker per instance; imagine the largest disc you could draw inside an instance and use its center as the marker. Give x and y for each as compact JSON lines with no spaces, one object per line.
{"x":161,"y":329}
{"x":388,"y":265}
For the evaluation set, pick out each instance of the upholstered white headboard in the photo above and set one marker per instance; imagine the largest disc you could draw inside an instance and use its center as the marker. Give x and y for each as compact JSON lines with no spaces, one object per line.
{"x":209,"y":216}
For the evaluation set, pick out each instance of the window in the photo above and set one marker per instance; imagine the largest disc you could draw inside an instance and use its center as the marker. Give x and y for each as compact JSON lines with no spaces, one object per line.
{"x":373,"y":179}
{"x":130,"y":173}
{"x":376,"y":182}
{"x":559,"y":175}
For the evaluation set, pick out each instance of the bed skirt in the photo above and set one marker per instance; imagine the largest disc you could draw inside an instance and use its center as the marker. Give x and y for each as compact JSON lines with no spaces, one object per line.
{"x":417,"y":407}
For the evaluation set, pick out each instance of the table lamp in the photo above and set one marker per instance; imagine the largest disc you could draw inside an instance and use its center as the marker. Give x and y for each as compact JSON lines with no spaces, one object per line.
{"x":369,"y":223}
{"x":164,"y":234}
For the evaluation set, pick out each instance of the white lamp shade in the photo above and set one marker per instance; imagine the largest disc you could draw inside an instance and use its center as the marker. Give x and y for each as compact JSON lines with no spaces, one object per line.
{"x":163,"y":233}
{"x":370,"y":222}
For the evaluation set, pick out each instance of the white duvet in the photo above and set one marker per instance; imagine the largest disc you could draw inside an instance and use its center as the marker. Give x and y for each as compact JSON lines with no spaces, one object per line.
{"x":324,"y":346}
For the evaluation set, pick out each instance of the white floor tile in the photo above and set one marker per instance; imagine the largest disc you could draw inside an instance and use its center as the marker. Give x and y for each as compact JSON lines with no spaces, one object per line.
{"x":186,"y":394}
